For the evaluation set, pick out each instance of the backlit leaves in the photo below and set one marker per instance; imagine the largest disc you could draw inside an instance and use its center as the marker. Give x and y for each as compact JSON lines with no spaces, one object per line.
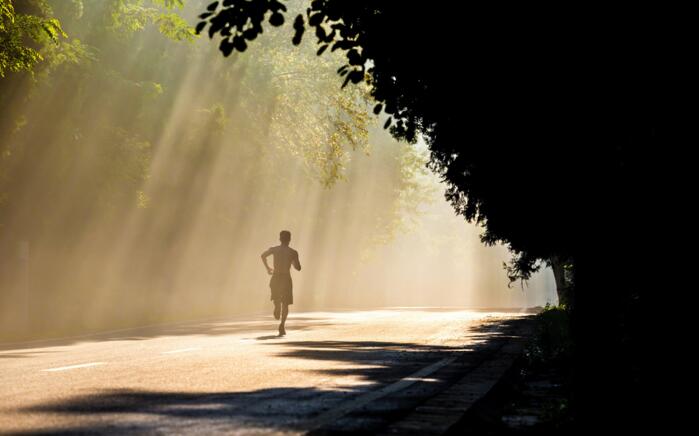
{"x":15,"y":29}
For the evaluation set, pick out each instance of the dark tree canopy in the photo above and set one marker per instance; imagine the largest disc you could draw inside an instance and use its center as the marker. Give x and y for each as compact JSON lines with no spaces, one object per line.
{"x":534,"y":117}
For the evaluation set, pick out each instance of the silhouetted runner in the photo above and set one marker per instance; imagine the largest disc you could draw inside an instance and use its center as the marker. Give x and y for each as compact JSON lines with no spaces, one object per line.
{"x":280,"y":283}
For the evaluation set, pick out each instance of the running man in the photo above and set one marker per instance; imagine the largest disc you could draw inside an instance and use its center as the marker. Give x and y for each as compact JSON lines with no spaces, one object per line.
{"x":280,"y":283}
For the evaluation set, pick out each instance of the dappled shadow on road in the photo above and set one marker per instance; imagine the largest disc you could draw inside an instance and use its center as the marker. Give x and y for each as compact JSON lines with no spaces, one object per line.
{"x":377,"y":364}
{"x":218,"y":327}
{"x":385,"y":362}
{"x":274,"y":408}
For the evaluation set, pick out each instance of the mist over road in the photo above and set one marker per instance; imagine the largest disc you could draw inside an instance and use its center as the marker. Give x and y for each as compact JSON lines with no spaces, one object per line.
{"x":344,"y":370}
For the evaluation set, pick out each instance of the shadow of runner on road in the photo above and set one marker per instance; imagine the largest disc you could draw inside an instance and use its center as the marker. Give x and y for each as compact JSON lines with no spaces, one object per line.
{"x":208,"y":328}
{"x":283,"y":408}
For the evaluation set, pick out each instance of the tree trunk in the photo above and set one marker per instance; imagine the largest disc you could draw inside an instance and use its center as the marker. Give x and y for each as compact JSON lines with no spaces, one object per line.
{"x":562,"y":285}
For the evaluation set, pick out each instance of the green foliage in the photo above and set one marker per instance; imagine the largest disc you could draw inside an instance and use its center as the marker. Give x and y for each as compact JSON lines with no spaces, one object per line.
{"x":72,"y":52}
{"x":311,"y":117}
{"x":552,"y":342}
{"x":77,"y":71}
{"x":170,"y":4}
{"x":129,"y":16}
{"x":23,"y":35}
{"x":28,"y":39}
{"x":174,"y":27}
{"x":521,"y":265}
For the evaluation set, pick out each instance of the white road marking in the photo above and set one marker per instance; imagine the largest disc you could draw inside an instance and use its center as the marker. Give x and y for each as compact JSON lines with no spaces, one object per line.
{"x":336,"y":413}
{"x":181,"y":350}
{"x":422,"y":379}
{"x":65,"y":368}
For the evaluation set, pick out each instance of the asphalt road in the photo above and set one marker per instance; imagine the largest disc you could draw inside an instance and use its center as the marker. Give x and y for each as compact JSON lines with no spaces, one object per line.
{"x":333,"y":372}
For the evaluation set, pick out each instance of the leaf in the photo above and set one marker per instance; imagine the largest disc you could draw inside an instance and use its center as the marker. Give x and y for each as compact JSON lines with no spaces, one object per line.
{"x":276,"y":5}
{"x":239,"y":43}
{"x":212,"y":6}
{"x":299,"y":28}
{"x":388,"y":123}
{"x":250,"y":34}
{"x":226,"y":47}
{"x":216,"y":25}
{"x":378,"y":108}
{"x":354,"y":57}
{"x":356,"y":76}
{"x":322,"y":49}
{"x":342,"y":44}
{"x":315,"y":19}
{"x":276,"y":19}
{"x":297,"y":37}
{"x":200,"y":27}
{"x":320,"y":33}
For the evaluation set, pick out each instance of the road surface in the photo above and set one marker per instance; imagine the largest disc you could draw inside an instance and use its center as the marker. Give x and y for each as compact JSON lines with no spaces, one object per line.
{"x":337,"y":371}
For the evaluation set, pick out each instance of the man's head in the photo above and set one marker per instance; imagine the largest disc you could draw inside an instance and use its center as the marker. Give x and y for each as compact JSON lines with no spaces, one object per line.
{"x":285,"y":237}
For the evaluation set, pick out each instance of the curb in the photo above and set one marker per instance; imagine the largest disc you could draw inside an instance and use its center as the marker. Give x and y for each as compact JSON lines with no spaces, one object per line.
{"x":439,"y":413}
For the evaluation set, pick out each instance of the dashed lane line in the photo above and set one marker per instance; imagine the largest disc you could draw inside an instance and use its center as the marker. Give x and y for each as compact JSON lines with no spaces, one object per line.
{"x":82,"y":365}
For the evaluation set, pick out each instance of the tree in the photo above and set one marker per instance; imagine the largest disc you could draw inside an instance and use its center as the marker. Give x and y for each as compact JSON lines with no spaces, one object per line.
{"x":22,"y":35}
{"x":541,"y":122}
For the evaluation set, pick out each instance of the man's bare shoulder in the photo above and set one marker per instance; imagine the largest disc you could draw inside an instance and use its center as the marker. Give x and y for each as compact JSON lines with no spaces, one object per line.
{"x":271,"y":250}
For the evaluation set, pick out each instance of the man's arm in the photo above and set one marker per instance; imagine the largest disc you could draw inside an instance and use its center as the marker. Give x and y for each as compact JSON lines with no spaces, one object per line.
{"x":296,"y":262}
{"x":264,"y":257}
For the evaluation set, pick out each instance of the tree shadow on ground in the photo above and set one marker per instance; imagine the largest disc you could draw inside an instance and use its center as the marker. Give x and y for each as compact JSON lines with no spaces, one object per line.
{"x":377,"y":363}
{"x":217,"y":327}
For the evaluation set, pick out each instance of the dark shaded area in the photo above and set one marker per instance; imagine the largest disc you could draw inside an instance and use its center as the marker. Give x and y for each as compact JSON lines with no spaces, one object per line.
{"x":526,"y":401}
{"x":284,"y":408}
{"x":554,"y":131}
{"x":533,"y":397}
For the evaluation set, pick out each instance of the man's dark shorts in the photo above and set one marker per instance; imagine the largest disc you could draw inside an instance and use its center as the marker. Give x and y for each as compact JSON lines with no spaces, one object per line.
{"x":282,"y":288}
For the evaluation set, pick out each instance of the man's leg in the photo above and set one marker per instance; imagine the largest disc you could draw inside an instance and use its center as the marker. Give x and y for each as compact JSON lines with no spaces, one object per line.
{"x":285,"y":313}
{"x":277,"y":309}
